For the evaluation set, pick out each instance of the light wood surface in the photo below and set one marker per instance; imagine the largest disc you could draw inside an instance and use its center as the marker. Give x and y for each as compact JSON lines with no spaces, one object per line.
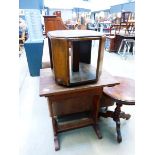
{"x":49,"y":87}
{"x":74,"y":34}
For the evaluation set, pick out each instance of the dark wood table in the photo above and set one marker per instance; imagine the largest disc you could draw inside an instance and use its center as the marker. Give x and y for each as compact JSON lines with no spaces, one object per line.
{"x":75,"y":100}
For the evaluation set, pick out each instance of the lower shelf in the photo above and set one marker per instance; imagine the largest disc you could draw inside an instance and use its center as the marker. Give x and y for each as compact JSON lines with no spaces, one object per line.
{"x":73,"y":121}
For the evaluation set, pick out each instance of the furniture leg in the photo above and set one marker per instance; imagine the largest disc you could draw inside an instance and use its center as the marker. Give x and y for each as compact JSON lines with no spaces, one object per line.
{"x":50,"y":52}
{"x":56,"y":140}
{"x":96,"y":102}
{"x":116,"y":118}
{"x":124,"y":116}
{"x":56,"y":143}
{"x":54,"y":125}
{"x":120,"y":47}
{"x":97,"y":131}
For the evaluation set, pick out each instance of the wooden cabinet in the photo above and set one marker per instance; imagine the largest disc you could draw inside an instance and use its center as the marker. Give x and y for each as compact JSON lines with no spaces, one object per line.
{"x":53,"y":23}
{"x":70,"y":55}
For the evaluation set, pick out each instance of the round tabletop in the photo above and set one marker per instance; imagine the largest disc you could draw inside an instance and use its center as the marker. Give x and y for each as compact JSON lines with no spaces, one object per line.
{"x":124,"y":92}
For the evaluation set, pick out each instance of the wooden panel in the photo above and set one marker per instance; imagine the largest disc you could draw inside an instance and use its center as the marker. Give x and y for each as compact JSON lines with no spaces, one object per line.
{"x":72,"y":105}
{"x":50,"y":52}
{"x":75,"y":124}
{"x":60,"y":49}
{"x":53,"y":23}
{"x":100,"y":56}
{"x":85,"y":51}
{"x":81,"y":51}
{"x":75,"y":56}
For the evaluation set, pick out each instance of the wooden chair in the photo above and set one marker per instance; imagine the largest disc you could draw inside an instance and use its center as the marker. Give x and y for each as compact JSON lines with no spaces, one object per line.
{"x":115,"y":26}
{"x":125,"y":17}
{"x":121,"y":94}
{"x":127,"y":46}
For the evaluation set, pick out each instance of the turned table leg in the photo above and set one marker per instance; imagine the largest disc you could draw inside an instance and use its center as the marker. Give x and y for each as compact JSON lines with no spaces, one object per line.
{"x":116,"y":118}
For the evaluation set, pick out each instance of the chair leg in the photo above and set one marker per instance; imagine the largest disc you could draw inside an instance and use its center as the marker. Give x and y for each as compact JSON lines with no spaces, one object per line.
{"x":120,"y":47}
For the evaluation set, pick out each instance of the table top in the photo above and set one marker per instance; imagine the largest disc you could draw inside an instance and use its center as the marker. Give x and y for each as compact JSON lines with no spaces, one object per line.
{"x":125,"y":91}
{"x":49,"y":87}
{"x":74,"y":34}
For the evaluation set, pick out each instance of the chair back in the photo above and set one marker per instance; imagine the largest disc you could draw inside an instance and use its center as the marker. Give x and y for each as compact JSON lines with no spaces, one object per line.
{"x":125,"y":16}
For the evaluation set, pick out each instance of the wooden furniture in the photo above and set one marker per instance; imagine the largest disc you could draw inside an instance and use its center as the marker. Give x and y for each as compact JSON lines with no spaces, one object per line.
{"x":64,"y":101}
{"x":131,"y":26}
{"x":125,"y":16}
{"x":126,"y":22}
{"x":115,"y":25}
{"x":53,"y":23}
{"x":116,"y":41}
{"x":57,"y":13}
{"x":110,"y":39}
{"x":122,"y":94}
{"x":76,"y":69}
{"x":125,"y":47}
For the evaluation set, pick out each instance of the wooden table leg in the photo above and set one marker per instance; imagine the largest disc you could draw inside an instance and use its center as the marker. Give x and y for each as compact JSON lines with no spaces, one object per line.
{"x":96,"y":101}
{"x":56,"y":140}
{"x":56,"y":143}
{"x":54,"y":125}
{"x":97,"y":131}
{"x":116,"y":118}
